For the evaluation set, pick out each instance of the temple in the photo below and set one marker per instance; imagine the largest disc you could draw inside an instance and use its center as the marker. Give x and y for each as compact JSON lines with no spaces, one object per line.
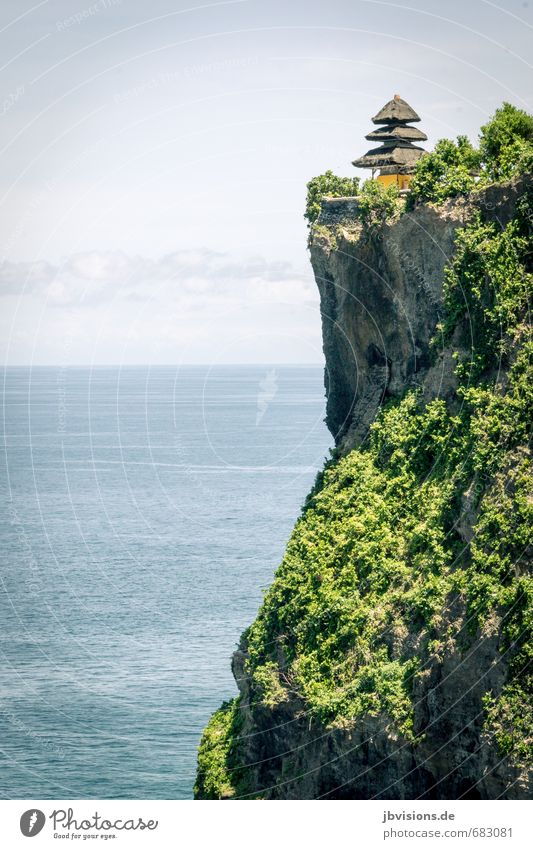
{"x":396,"y":156}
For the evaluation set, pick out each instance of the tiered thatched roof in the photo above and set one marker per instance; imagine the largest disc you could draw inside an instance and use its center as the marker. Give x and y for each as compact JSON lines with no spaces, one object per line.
{"x":397,"y":153}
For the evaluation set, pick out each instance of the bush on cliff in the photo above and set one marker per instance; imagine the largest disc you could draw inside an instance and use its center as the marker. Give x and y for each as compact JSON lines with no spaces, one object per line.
{"x":447,"y":171}
{"x":455,"y":168}
{"x":506,"y":143}
{"x":377,"y":203}
{"x":327,"y":185}
{"x":214,"y":779}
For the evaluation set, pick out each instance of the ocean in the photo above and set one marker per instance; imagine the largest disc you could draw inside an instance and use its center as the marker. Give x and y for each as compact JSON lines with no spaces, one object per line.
{"x":144,"y":510}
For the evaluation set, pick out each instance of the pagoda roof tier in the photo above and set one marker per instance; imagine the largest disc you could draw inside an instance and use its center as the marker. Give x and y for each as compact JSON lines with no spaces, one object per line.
{"x":398,"y":154}
{"x":397,"y":131}
{"x":396,"y":169}
{"x":396,"y":111}
{"x":390,"y":144}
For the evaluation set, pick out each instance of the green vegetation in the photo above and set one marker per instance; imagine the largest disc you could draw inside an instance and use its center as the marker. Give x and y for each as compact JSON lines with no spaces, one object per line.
{"x":455,"y":168}
{"x":449,"y":170}
{"x":327,"y":185}
{"x":512,"y":726}
{"x":506,"y":143}
{"x":376,"y":557}
{"x":214,"y":779}
{"x":487,"y":288}
{"x":376,"y":203}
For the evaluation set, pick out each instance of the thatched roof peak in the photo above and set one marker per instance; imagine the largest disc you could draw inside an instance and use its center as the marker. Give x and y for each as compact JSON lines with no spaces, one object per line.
{"x":396,"y":111}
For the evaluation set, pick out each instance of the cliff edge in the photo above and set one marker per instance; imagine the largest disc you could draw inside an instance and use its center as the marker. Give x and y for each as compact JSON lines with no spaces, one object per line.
{"x":391,"y":656}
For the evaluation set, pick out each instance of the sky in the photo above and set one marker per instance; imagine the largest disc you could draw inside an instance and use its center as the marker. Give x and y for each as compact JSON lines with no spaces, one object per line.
{"x":154,"y":158}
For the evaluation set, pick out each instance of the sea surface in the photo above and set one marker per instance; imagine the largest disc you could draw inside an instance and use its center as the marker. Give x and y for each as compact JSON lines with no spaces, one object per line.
{"x":143,"y":512}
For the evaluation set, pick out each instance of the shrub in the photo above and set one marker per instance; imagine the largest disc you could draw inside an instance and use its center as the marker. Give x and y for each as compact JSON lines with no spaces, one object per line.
{"x":446,"y":172}
{"x":487,"y":285}
{"x":214,"y":779}
{"x":329,"y":185}
{"x":377,"y":202}
{"x":506,"y":142}
{"x":454,"y":168}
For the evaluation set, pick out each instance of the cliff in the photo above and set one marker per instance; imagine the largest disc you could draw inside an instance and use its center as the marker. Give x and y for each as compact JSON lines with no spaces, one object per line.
{"x":390,"y":658}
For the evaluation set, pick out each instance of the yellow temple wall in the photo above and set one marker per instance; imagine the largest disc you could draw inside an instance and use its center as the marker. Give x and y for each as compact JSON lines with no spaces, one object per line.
{"x":400,"y":180}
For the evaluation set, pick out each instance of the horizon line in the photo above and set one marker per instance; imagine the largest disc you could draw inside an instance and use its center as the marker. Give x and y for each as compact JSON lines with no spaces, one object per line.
{"x":157,"y":365}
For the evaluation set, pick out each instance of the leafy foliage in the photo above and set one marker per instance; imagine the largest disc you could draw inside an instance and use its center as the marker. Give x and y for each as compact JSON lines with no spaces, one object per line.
{"x":449,"y":170}
{"x":455,"y":168}
{"x":488,"y":287}
{"x":214,"y":779}
{"x":354,"y":569}
{"x":327,"y":185}
{"x":377,"y":203}
{"x":512,"y":727}
{"x":506,"y":143}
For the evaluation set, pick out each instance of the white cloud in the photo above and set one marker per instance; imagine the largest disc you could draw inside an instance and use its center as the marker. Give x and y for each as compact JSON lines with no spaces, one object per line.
{"x":187,"y":306}
{"x":190,"y":277}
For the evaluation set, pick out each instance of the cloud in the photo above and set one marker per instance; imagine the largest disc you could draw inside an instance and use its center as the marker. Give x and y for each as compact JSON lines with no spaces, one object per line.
{"x":191,"y":277}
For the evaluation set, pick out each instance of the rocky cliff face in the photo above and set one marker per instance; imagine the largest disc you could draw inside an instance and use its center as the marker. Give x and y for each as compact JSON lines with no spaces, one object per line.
{"x":288,"y":756}
{"x":381,"y":300}
{"x":381,"y":294}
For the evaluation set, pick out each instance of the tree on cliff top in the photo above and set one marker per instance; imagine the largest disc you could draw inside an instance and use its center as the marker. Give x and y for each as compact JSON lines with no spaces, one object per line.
{"x":455,"y":168}
{"x":506,"y":142}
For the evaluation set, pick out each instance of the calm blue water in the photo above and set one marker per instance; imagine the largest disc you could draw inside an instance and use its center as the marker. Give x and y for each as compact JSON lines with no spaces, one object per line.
{"x":143,"y":511}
